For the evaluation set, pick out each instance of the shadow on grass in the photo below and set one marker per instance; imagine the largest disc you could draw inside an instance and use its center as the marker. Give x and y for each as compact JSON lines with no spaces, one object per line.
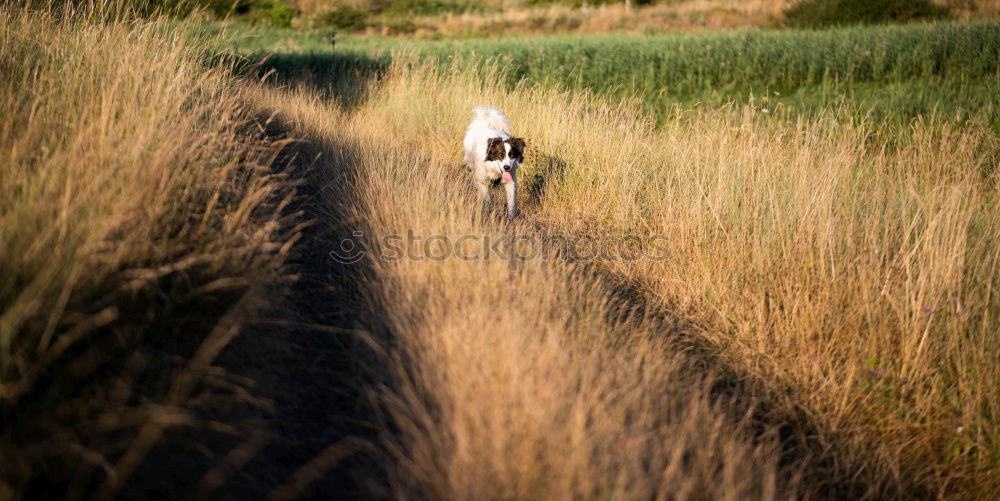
{"x":341,"y":77}
{"x":308,"y":363}
{"x":819,"y":470}
{"x":132,"y":362}
{"x":317,"y":355}
{"x":83,"y":416}
{"x":546,"y":170}
{"x":285,"y":410}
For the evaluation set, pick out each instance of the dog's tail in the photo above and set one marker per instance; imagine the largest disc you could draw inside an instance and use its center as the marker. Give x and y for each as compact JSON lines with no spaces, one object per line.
{"x":491,"y":117}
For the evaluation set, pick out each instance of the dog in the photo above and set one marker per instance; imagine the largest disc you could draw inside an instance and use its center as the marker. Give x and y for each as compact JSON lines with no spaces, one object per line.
{"x":493,"y":156}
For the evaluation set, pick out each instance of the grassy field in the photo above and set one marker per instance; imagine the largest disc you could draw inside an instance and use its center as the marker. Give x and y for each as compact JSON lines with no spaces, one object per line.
{"x":819,"y":319}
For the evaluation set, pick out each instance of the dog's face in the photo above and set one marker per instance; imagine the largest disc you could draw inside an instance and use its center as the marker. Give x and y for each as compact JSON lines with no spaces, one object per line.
{"x":508,"y":152}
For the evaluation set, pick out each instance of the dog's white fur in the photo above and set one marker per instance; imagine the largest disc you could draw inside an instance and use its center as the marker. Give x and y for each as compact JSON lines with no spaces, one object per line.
{"x":488,"y":122}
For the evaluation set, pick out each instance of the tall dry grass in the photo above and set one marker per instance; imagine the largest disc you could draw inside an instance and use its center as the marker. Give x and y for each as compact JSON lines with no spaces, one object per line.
{"x":847,"y":270}
{"x":137,"y":221}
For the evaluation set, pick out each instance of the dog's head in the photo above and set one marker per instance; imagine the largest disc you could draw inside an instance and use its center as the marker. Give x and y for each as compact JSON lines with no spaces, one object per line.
{"x":510,"y":152}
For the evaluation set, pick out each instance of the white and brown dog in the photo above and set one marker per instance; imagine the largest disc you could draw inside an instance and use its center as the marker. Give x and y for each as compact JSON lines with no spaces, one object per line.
{"x":493,"y":156}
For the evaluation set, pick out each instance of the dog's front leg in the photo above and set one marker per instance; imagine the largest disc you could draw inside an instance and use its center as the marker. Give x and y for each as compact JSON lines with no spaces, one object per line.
{"x":511,"y":189}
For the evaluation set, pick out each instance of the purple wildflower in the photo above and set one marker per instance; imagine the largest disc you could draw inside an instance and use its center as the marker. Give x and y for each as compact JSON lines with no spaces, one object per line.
{"x":876,"y":373}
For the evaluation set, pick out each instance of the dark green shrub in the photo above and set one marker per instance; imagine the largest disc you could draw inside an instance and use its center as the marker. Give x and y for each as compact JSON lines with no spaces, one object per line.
{"x":273,"y":12}
{"x":820,"y":13}
{"x":345,"y":17}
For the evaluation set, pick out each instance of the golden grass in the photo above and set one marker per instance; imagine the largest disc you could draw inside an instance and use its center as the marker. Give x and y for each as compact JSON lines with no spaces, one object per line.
{"x":829,"y":272}
{"x":848,"y":270}
{"x":126,"y":192}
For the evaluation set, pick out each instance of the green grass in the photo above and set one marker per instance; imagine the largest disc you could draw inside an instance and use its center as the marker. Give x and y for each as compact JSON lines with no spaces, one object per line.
{"x":895,"y":73}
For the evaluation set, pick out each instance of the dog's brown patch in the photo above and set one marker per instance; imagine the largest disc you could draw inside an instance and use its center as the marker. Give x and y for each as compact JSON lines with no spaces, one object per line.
{"x":495,"y":149}
{"x":516,"y":148}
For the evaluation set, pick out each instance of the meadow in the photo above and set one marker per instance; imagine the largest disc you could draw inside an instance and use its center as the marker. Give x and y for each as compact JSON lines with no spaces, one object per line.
{"x":821,"y":322}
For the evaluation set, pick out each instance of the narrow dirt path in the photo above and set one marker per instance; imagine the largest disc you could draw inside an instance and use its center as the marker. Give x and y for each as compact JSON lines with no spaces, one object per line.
{"x":309,"y":364}
{"x":316,"y":354}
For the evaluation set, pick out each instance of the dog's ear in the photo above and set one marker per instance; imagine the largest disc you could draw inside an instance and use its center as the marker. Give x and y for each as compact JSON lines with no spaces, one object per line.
{"x":516,"y":148}
{"x":495,"y":149}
